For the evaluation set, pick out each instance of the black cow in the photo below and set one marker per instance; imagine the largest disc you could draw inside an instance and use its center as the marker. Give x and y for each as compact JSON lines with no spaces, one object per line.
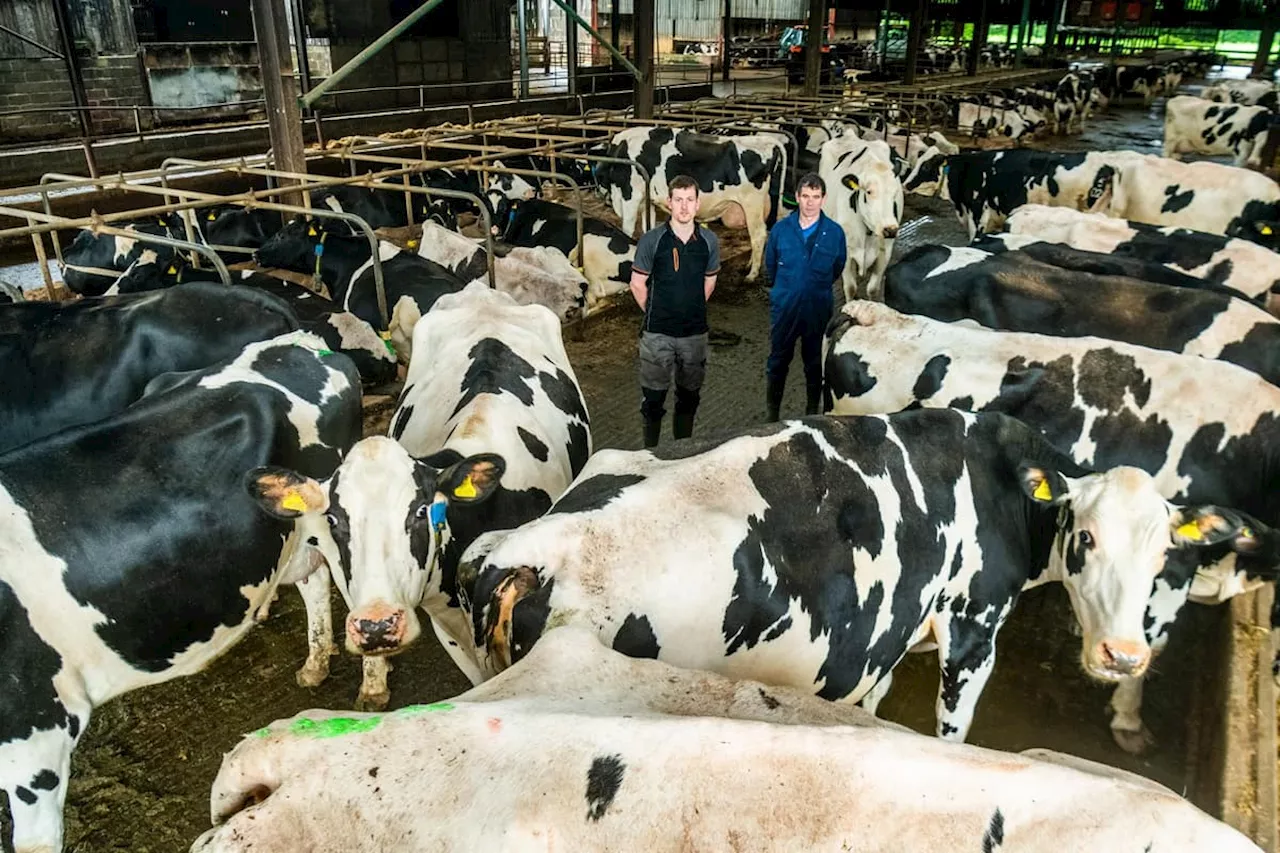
{"x":379,"y":208}
{"x":343,"y":331}
{"x":233,"y":225}
{"x":1016,"y":292}
{"x":79,"y":362}
{"x":10,"y":293}
{"x":133,"y":554}
{"x":345,"y":265}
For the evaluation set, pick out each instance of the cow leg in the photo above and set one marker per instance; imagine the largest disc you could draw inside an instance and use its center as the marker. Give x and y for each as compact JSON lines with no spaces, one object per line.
{"x":33,"y":772}
{"x":1126,"y":723}
{"x":875,"y":281}
{"x":374,"y":692}
{"x":871,"y":701}
{"x":759,"y":234}
{"x":314,"y":590}
{"x":966,"y":657}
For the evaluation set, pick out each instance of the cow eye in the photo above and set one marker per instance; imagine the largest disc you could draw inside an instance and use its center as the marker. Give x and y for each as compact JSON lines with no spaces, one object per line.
{"x":331,"y":518}
{"x":421,"y":512}
{"x":1086,"y":539}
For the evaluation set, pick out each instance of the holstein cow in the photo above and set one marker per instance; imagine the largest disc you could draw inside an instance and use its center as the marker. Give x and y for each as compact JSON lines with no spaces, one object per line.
{"x":864,"y":197}
{"x":986,"y":186}
{"x":607,"y":252}
{"x":740,"y":179}
{"x":1015,"y":292}
{"x":1072,"y":99}
{"x":93,"y":262}
{"x":74,"y":363}
{"x":1106,"y":403}
{"x":1205,"y":196}
{"x":379,"y":208}
{"x":985,"y":121}
{"x":342,"y":331}
{"x":816,"y":553}
{"x":1196,"y":126}
{"x":233,"y":225}
{"x":132,"y":554}
{"x":1253,"y":93}
{"x":490,"y":429}
{"x":600,"y":752}
{"x":345,"y":265}
{"x":530,"y":275}
{"x":1242,"y":266}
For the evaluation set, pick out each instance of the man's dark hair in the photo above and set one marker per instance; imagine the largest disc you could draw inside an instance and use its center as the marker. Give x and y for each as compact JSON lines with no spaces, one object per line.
{"x":682,"y":182}
{"x":811,"y":181}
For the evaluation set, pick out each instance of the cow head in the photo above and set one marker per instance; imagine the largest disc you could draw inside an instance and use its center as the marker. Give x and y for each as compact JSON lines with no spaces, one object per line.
{"x":293,"y":247}
{"x":388,"y":515}
{"x":929,"y":177}
{"x":875,"y":194}
{"x":1264,"y":232}
{"x":1115,"y":535}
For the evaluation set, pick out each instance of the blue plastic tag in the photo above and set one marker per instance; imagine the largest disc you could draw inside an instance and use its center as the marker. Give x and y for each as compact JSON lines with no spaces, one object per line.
{"x":319,"y":249}
{"x":437,"y":514}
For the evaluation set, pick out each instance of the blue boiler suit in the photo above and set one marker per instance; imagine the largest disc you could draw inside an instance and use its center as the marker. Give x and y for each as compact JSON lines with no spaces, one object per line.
{"x":800,"y":298}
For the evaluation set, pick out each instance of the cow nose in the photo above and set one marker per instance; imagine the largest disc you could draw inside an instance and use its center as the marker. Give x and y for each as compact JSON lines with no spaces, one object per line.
{"x":377,"y":634}
{"x":1123,"y":657}
{"x":890,"y":231}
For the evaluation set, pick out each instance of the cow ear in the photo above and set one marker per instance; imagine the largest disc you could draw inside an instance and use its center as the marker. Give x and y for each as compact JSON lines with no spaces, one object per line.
{"x":473,"y":479}
{"x":1042,"y":485}
{"x":285,"y":494}
{"x":1263,"y":228}
{"x":1205,"y":525}
{"x":850,"y":182}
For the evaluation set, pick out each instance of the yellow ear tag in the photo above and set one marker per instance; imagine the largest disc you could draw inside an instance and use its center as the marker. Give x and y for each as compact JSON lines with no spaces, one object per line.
{"x":413,"y":244}
{"x":212,"y":216}
{"x":1266,"y":229}
{"x":294,"y":501}
{"x":465,"y":489}
{"x":311,"y":232}
{"x":172,"y":270}
{"x":1191,"y":531}
{"x":1246,"y":533}
{"x":1042,"y":492}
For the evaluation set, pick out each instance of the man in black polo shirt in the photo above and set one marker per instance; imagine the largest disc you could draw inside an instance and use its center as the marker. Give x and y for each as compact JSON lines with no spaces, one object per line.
{"x":672,"y":277}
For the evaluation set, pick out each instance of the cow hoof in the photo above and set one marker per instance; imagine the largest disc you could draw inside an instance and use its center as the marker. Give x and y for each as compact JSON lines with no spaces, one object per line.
{"x":1134,"y":743}
{"x":313,"y":675}
{"x":373,"y":701}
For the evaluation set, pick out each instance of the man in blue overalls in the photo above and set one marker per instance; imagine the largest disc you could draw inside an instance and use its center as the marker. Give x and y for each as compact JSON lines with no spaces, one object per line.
{"x":805,"y":255}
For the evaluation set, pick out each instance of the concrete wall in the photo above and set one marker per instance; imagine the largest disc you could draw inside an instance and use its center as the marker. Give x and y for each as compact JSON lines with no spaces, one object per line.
{"x":26,"y":84}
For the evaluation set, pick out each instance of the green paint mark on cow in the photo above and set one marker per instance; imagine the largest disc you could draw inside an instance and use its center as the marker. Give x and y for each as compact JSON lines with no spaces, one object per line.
{"x":333,"y":727}
{"x":411,"y":710}
{"x":262,"y":732}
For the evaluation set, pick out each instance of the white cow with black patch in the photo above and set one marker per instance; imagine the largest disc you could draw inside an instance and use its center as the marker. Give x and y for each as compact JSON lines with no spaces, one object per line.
{"x":130,"y":554}
{"x":816,"y":553}
{"x":1245,"y":267}
{"x":530,"y":275}
{"x":599,"y":752}
{"x":491,"y":427}
{"x":740,"y":179}
{"x":865,"y":199}
{"x":1105,"y":403}
{"x":1196,"y":126}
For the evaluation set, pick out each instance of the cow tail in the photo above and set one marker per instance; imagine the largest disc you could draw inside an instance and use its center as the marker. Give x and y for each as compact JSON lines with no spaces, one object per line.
{"x":777,"y":180}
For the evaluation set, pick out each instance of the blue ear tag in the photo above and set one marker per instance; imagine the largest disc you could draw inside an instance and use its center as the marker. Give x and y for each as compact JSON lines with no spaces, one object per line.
{"x":319,"y":249}
{"x":437,"y":514}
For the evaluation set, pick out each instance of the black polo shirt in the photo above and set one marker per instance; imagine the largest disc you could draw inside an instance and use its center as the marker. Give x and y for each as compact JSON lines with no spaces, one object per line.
{"x":677,"y":301}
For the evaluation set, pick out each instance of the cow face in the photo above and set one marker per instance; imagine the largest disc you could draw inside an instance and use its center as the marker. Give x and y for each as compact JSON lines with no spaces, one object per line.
{"x":293,"y":247}
{"x":1114,"y":535}
{"x":388,"y":515}
{"x":1264,"y":232}
{"x":876,"y":196}
{"x":929,"y":175}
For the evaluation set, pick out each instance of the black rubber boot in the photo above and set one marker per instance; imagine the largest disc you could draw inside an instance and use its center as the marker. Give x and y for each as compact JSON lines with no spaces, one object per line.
{"x":652,"y":432}
{"x":813,"y":398}
{"x":773,"y":399}
{"x":686,"y":407}
{"x":682,"y":425}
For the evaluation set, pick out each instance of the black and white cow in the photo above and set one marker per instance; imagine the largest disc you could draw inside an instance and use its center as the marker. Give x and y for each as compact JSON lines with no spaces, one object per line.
{"x":67,"y":364}
{"x":1015,"y":292}
{"x":490,"y":429}
{"x":1196,"y":126}
{"x":1252,"y":93}
{"x":1116,"y":81}
{"x":604,"y":752}
{"x":1204,"y":196}
{"x":345,"y":265}
{"x":93,"y":262}
{"x":132,"y":554}
{"x":740,"y":179}
{"x":607,"y":251}
{"x":983,"y":121}
{"x":1072,"y":101}
{"x":986,"y":186}
{"x":540,"y":275}
{"x":233,"y":225}
{"x":504,"y":189}
{"x":379,"y":208}
{"x":1105,"y":403}
{"x":865,"y":199}
{"x":816,"y":553}
{"x":1240,"y":265}
{"x":342,"y":331}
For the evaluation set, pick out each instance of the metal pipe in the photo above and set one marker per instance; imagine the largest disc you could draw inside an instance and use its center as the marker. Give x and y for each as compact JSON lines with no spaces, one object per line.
{"x":459,"y":194}
{"x":571,"y":49}
{"x":37,"y":45}
{"x":72,"y":62}
{"x":522,"y":38}
{"x":363,"y":56}
{"x":300,"y":44}
{"x":573,"y":15}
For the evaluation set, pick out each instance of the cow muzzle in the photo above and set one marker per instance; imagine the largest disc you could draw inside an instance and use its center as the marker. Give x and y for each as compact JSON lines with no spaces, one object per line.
{"x":889,"y":231}
{"x":1115,"y":659}
{"x":376,"y":630}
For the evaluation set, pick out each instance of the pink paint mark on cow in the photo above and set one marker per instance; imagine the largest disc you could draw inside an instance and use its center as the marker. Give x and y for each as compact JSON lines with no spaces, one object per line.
{"x":495,"y":725}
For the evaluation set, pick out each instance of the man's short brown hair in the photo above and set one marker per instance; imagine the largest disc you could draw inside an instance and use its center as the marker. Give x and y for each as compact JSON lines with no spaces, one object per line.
{"x":682,"y":182}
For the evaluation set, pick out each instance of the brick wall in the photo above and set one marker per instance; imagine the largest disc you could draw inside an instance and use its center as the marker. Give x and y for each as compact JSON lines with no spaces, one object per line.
{"x":30,"y":83}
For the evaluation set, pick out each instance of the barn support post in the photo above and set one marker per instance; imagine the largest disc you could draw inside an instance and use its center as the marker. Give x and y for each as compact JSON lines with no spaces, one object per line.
{"x":726,"y":29}
{"x":284,"y":115}
{"x":522,"y":39}
{"x":1023,"y":34}
{"x":813,"y":48}
{"x":1051,"y":31}
{"x":300,"y":44}
{"x":571,"y":47}
{"x":979,"y":39}
{"x":615,"y":24}
{"x":642,"y":35}
{"x":1266,"y":40}
{"x":72,"y":62}
{"x":915,"y":38}
{"x":573,"y":16}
